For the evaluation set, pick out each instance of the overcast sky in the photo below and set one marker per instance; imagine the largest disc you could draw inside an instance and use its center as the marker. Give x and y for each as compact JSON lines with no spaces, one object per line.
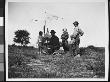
{"x":90,"y":15}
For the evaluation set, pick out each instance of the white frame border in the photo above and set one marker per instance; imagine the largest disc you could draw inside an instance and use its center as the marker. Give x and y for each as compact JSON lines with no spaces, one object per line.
{"x":74,"y":79}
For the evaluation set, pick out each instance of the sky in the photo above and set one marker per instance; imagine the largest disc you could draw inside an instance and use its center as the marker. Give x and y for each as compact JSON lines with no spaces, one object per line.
{"x":90,"y":15}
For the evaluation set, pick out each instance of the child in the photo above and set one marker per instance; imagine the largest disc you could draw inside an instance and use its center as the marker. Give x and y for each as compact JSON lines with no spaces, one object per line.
{"x":64,"y":38}
{"x":40,"y":41}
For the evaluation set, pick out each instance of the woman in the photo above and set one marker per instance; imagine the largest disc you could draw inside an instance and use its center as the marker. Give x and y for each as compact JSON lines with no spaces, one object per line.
{"x":64,"y":38}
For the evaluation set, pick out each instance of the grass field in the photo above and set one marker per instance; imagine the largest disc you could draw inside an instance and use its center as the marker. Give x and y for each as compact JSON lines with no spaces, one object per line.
{"x":27,"y":63}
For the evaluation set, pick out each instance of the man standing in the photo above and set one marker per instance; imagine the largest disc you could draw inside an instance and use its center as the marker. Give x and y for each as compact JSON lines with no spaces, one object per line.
{"x":75,"y":39}
{"x":54,"y":42}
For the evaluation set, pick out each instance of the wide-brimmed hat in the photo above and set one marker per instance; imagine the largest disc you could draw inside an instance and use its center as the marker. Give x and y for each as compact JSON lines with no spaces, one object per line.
{"x":76,"y":22}
{"x":52,"y":31}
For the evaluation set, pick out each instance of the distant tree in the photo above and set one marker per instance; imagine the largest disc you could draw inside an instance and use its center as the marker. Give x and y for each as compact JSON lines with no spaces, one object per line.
{"x":22,"y":37}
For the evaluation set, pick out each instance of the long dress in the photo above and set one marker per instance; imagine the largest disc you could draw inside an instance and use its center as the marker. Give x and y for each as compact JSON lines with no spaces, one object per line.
{"x":64,"y":38}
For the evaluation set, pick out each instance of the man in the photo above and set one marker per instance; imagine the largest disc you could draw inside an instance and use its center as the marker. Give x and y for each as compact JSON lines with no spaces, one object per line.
{"x":75,"y":39}
{"x":64,"y":38}
{"x":53,"y":42}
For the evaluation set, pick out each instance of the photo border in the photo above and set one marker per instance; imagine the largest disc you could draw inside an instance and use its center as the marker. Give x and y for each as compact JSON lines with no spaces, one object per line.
{"x":65,"y":79}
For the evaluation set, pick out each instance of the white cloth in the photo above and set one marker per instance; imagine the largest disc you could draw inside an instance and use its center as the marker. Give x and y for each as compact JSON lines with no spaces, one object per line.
{"x":76,"y":31}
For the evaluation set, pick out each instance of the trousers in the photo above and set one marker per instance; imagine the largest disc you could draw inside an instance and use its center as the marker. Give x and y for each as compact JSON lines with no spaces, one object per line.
{"x":74,"y":48}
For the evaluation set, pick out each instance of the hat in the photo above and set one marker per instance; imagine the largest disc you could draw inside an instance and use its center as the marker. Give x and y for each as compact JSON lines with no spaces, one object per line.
{"x":52,"y":31}
{"x":76,"y":22}
{"x":40,"y":32}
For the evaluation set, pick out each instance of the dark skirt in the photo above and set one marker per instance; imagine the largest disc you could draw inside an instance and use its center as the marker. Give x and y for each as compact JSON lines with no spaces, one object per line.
{"x":65,"y":45}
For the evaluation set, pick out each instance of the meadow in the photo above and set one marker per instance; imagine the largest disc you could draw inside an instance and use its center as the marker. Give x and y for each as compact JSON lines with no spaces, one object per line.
{"x":26,"y":62}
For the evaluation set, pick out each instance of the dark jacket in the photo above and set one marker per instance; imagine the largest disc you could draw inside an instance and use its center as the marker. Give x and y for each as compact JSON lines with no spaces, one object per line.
{"x":54,"y":43}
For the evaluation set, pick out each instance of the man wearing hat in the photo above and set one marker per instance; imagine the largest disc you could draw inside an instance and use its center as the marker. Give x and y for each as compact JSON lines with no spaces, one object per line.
{"x":54,"y":42}
{"x":75,"y":39}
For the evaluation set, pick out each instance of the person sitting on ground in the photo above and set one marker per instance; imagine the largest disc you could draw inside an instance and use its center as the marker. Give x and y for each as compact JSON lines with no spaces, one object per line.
{"x":64,"y":38}
{"x":53,"y":42}
{"x":75,"y":39}
{"x":40,"y":41}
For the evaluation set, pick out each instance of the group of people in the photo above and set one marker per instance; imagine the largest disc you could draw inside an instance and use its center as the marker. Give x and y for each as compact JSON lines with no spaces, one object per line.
{"x":52,"y":41}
